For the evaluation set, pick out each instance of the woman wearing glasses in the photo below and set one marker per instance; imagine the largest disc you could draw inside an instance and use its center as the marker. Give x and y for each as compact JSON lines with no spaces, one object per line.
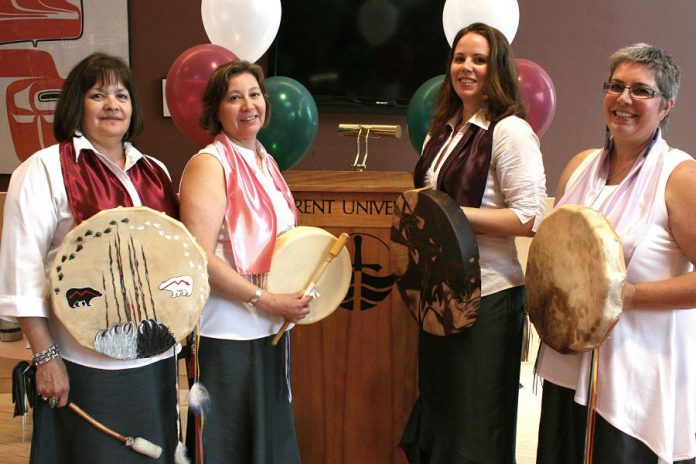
{"x":646,"y":400}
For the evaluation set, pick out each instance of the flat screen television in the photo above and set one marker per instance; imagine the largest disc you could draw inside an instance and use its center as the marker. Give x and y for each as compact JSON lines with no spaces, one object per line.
{"x":360,"y":56}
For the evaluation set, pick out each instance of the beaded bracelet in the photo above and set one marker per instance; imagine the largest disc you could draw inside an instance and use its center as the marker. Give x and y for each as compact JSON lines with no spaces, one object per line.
{"x":257,"y":294}
{"x":42,"y":357}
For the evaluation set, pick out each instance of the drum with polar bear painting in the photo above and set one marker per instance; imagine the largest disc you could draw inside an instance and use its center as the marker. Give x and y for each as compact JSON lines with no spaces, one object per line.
{"x":129,"y":282}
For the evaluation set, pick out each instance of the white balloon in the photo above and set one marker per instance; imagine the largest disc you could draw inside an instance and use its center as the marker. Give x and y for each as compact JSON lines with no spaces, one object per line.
{"x":504,"y":15}
{"x":245,"y":27}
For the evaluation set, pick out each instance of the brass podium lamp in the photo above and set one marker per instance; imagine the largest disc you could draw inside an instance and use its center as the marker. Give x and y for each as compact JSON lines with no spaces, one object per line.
{"x":367,"y":131}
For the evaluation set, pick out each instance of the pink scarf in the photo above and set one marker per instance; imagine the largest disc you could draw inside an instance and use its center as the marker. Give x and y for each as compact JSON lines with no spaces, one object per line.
{"x":250,"y":217}
{"x":629,"y":208}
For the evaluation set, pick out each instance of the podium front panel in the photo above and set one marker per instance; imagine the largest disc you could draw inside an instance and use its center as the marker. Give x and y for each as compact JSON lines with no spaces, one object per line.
{"x":355,"y":372}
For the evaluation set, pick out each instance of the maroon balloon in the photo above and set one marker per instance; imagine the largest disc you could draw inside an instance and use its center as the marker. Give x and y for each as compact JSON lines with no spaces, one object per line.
{"x":186,"y":82}
{"x":539,"y":94}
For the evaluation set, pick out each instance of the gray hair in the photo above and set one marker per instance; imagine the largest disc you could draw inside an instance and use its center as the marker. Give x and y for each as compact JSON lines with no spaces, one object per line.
{"x":667,"y":72}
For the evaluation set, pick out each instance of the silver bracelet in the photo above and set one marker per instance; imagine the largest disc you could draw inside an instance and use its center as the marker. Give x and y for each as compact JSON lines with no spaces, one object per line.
{"x":42,"y":357}
{"x":257,"y":294}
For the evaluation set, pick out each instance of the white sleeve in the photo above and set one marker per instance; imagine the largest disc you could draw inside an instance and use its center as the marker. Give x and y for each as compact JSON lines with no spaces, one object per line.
{"x":29,"y":224}
{"x":520,"y":169}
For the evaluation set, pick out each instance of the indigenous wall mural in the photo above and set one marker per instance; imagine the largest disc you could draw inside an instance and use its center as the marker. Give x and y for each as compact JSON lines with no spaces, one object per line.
{"x":40,"y":41}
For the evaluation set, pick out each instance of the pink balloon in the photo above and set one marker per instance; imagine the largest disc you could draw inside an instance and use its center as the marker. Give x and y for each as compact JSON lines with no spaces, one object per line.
{"x":539,"y":94}
{"x":186,"y":82}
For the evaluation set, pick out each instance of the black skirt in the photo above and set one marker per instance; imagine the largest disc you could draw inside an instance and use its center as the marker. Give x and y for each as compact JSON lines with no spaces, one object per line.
{"x":250,"y":417}
{"x":138,"y":402}
{"x":562,"y":434}
{"x":469,"y":385}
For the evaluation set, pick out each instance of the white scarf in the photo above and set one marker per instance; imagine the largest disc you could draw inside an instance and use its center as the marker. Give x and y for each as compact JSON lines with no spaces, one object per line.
{"x":630,"y":207}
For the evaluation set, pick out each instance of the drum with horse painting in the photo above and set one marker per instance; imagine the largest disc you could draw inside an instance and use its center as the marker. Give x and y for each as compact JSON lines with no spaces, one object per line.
{"x":129,"y":282}
{"x":575,"y":278}
{"x":435,"y":261}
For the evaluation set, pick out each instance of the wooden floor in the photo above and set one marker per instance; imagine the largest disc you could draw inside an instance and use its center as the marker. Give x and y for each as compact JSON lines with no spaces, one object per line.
{"x":15,"y":450}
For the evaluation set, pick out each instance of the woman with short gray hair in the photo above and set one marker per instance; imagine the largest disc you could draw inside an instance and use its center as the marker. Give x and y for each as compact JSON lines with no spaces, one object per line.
{"x":645,"y":370}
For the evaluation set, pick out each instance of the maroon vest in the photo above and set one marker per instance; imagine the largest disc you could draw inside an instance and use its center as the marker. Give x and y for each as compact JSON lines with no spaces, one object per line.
{"x":463,"y":175}
{"x":92,"y":187}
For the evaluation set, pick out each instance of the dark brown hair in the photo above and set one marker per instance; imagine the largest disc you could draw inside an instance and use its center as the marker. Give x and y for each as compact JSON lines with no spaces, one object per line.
{"x":502,"y":93}
{"x":216,"y":90}
{"x":96,"y":68}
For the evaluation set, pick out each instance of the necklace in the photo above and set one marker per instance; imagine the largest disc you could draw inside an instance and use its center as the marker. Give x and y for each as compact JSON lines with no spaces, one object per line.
{"x":620,"y":172}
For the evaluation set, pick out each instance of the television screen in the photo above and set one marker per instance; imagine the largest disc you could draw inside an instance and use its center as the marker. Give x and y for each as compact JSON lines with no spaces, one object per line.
{"x":361,"y":56}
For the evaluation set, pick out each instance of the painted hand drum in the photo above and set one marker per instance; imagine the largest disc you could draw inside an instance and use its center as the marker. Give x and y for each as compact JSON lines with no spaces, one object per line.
{"x":129,"y":282}
{"x":575,"y":277}
{"x":435,"y":261}
{"x":297,"y":254}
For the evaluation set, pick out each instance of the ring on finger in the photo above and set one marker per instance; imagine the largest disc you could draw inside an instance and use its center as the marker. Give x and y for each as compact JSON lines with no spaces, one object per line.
{"x":53,"y":402}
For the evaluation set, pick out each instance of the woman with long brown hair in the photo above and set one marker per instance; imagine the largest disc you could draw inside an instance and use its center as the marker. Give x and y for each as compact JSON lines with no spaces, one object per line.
{"x":482,"y":153}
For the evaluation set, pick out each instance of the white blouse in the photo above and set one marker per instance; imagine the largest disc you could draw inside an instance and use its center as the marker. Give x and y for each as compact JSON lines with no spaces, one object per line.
{"x":516,"y":180}
{"x":233,"y":319}
{"x":37,"y":217}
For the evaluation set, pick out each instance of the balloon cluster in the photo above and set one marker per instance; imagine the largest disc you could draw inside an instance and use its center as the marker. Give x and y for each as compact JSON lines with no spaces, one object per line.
{"x":420,"y":111}
{"x":241,"y":29}
{"x":536,"y":85}
{"x":539,"y":94}
{"x":186,"y":82}
{"x":294,"y":122}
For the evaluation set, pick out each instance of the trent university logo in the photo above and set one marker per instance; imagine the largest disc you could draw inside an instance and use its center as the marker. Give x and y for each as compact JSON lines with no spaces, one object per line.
{"x":370,"y":283}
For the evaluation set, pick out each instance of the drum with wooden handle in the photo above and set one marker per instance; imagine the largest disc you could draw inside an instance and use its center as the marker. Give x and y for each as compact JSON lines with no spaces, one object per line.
{"x":298,"y":254}
{"x":435,"y":261}
{"x":574,"y":280}
{"x":129,"y":282}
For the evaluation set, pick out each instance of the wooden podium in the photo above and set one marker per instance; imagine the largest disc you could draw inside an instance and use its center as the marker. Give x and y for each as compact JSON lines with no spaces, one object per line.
{"x":355,"y":372}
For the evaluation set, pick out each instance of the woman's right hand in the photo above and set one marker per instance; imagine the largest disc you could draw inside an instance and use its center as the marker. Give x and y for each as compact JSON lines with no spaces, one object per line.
{"x":291,"y":307}
{"x":51,"y":377}
{"x":52,"y":381}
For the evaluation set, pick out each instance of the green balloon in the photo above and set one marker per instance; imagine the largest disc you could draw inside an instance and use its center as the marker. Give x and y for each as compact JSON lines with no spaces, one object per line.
{"x":420,"y":111}
{"x":294,"y":121}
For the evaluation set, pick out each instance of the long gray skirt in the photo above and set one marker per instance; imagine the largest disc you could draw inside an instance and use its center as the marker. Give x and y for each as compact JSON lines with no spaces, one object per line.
{"x":469,"y":383}
{"x":138,"y":402}
{"x":250,"y":419}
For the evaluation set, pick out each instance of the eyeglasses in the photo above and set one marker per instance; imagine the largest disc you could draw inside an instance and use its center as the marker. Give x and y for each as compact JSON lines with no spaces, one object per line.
{"x":638,"y":92}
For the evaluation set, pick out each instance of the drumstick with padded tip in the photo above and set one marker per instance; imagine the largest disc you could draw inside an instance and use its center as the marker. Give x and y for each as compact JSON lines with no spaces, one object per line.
{"x":138,"y":444}
{"x":332,"y":253}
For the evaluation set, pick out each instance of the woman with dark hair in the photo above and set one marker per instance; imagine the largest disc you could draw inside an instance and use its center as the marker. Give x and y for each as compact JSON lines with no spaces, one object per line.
{"x":235,"y":202}
{"x":645,"y":370}
{"x":482,"y":153}
{"x":93,"y":167}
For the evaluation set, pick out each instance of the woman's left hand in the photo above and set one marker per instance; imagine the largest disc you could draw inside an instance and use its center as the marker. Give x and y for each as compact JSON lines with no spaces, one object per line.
{"x":52,"y":382}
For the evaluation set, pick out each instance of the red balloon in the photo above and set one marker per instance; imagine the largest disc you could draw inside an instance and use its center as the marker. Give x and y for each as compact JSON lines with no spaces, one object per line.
{"x":539,"y":94}
{"x":186,"y":81}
